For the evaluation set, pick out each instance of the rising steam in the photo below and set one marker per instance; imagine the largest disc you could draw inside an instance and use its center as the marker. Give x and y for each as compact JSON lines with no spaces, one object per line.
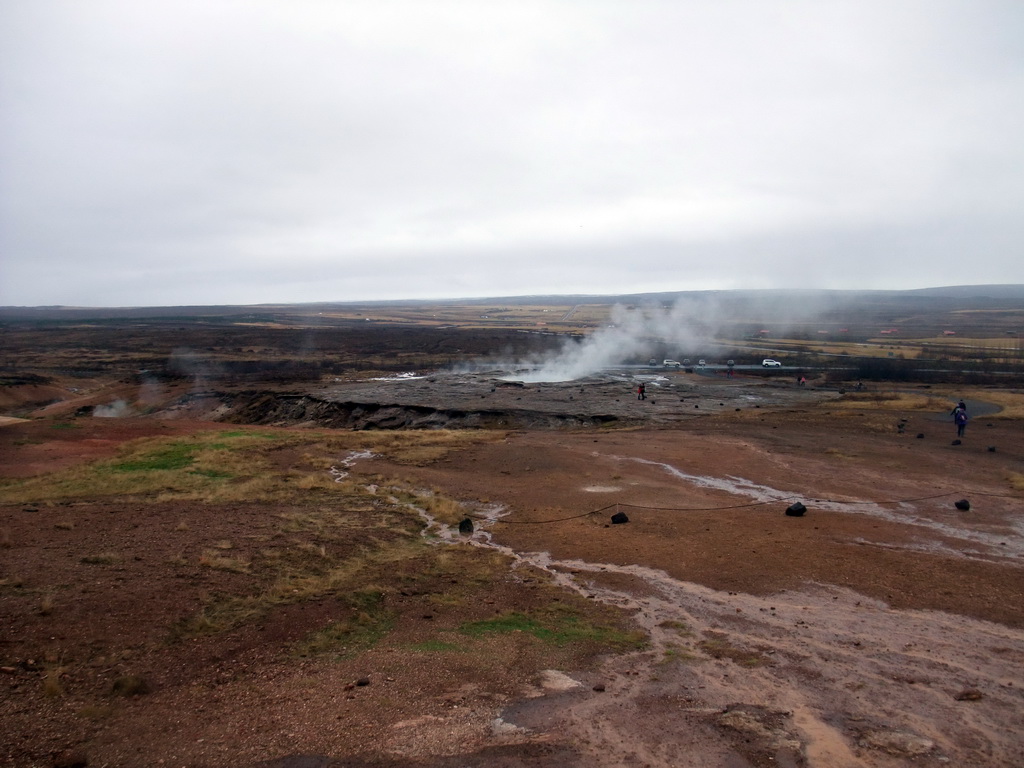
{"x":633,"y":334}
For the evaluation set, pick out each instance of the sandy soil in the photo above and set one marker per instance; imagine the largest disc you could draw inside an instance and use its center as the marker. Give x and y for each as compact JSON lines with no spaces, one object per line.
{"x":883,"y":628}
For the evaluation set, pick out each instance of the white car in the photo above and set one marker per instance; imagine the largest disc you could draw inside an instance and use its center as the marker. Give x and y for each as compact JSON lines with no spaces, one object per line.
{"x":701,"y":363}
{"x":769,"y":363}
{"x":670,"y":363}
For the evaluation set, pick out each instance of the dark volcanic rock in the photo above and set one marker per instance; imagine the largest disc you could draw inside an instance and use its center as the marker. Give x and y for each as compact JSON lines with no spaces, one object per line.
{"x":287,"y":409}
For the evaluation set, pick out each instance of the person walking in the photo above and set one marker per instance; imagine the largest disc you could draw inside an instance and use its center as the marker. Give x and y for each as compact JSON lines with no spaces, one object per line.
{"x":641,"y":391}
{"x":960,"y":419}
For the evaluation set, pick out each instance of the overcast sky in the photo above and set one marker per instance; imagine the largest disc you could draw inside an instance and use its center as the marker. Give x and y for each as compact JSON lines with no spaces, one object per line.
{"x":208,"y":152}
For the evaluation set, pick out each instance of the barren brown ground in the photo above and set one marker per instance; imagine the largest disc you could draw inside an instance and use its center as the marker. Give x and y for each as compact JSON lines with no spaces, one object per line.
{"x":883,"y":628}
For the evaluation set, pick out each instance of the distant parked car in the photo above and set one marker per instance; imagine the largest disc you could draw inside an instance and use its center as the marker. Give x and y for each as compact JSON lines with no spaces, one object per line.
{"x":701,"y":363}
{"x":769,"y":363}
{"x":730,"y":363}
{"x":652,"y":362}
{"x":686,"y":361}
{"x":671,"y":363}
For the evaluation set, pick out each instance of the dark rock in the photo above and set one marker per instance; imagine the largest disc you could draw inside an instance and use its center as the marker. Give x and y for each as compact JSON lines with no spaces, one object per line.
{"x":70,"y":758}
{"x":920,"y":435}
{"x":796,"y":509}
{"x":963,"y":505}
{"x":619,"y":518}
{"x":363,"y":681}
{"x":969,"y":694}
{"x":991,"y":449}
{"x":130,"y":685}
{"x":957,"y":442}
{"x":599,"y":687}
{"x":465,"y":525}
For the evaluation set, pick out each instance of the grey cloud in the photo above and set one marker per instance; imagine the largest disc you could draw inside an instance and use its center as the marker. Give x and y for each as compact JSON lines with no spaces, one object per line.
{"x":229,"y":152}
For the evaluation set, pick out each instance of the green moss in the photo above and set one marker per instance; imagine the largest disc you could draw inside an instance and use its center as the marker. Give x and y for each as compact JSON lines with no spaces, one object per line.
{"x":555,"y":627}
{"x":167,"y":457}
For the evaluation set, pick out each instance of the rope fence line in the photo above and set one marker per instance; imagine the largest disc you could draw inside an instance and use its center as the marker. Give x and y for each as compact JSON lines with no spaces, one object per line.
{"x":618,"y":505}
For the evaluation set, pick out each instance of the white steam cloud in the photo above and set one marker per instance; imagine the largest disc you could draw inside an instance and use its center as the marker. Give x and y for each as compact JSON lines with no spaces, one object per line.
{"x":634,"y":333}
{"x":118,"y":409}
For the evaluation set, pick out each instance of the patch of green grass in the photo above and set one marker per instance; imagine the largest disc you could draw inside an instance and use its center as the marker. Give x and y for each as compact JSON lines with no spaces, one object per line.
{"x":347,"y":637}
{"x":255,"y":435}
{"x":177,"y":455}
{"x":557,"y":628}
{"x":679,"y":626}
{"x":676,"y":653}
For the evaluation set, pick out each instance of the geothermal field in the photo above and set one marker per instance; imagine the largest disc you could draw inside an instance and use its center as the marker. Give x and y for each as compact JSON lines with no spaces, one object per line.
{"x":456,"y":536}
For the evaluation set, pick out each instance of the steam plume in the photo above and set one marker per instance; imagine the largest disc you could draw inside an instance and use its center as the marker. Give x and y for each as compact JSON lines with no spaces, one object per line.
{"x":634,"y":333}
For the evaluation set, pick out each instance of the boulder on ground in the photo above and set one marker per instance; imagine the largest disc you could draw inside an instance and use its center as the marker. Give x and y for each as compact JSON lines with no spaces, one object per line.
{"x":796,"y":510}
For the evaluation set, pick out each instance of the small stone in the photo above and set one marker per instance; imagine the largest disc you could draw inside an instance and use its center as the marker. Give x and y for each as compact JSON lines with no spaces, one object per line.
{"x":363,"y":681}
{"x":991,"y":449}
{"x":620,"y":517}
{"x":599,"y":687}
{"x":969,"y":694}
{"x":796,"y":510}
{"x":920,"y":435}
{"x":963,"y":505}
